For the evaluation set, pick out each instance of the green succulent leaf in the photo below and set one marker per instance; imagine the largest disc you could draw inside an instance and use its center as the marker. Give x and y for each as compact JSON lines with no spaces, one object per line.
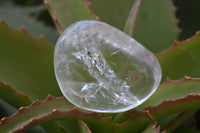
{"x":130,"y":22}
{"x":177,"y":121}
{"x":173,"y":89}
{"x":137,"y":121}
{"x":59,"y":108}
{"x":70,"y":125}
{"x":17,"y":100}
{"x":84,"y":127}
{"x":66,"y":12}
{"x":11,"y":96}
{"x":168,"y":107}
{"x":51,"y":109}
{"x":178,"y":96}
{"x":158,"y":112}
{"x":26,"y":63}
{"x":182,"y":58}
{"x":113,"y":12}
{"x":154,"y":25}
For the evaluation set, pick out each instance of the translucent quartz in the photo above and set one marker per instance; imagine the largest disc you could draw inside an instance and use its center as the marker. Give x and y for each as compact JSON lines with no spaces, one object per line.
{"x":99,"y":68}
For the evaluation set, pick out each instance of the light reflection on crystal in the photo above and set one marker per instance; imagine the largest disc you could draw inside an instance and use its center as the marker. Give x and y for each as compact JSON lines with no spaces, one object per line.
{"x":99,"y":68}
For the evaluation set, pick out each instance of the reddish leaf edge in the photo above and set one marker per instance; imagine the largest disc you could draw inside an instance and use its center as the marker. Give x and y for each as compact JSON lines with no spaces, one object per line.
{"x":57,"y":23}
{"x":89,"y":4}
{"x":177,"y":19}
{"x":53,"y":15}
{"x":26,"y":97}
{"x":134,"y":114}
{"x":150,"y":109}
{"x":60,"y":127}
{"x":55,"y":114}
{"x":178,"y":43}
{"x":179,"y":120}
{"x":131,"y":18}
{"x":174,"y":120}
{"x":85,"y":126}
{"x":13,"y":90}
{"x":167,"y":80}
{"x":22,"y":109}
{"x":134,"y":19}
{"x":23,"y":29}
{"x":191,"y":96}
{"x":185,"y":78}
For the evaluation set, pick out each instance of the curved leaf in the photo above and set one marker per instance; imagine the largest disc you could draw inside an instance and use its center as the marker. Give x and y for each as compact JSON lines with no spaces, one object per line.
{"x":172,"y":90}
{"x":136,"y":122}
{"x":113,"y":12}
{"x":156,"y":24}
{"x":181,"y":100}
{"x":13,"y":97}
{"x":26,"y":63}
{"x":168,"y":107}
{"x":51,"y":109}
{"x":85,"y":128}
{"x":182,"y":58}
{"x":66,"y":12}
{"x":130,"y":22}
{"x":17,"y":100}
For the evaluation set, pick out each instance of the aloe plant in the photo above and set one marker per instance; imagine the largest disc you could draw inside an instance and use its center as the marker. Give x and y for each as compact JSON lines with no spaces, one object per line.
{"x":31,"y":101}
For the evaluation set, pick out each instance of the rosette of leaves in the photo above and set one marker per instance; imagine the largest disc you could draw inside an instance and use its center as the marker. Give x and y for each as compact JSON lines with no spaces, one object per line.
{"x":30,"y":99}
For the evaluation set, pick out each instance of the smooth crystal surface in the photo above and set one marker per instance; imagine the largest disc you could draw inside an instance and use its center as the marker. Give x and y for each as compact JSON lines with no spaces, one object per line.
{"x":99,"y":68}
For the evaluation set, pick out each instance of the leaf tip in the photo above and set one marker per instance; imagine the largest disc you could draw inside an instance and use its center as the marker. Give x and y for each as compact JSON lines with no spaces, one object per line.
{"x":89,"y":4}
{"x":155,"y":128}
{"x":36,"y":102}
{"x":197,"y":33}
{"x":2,"y":120}
{"x":49,"y":97}
{"x":21,"y":108}
{"x":2,"y":21}
{"x":54,"y":110}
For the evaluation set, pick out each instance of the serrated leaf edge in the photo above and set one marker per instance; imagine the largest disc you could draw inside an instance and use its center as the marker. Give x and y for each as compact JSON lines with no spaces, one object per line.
{"x":135,"y":116}
{"x":190,"y":96}
{"x":73,"y":113}
{"x":23,"y":29}
{"x":13,"y":90}
{"x":178,"y":43}
{"x":185,"y":78}
{"x":156,"y":128}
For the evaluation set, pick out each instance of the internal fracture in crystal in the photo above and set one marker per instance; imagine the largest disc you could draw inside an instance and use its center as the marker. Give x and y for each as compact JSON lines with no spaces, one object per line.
{"x":99,"y":68}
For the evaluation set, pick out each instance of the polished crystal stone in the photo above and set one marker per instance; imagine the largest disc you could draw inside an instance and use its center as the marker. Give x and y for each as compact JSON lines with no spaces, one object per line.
{"x":99,"y":68}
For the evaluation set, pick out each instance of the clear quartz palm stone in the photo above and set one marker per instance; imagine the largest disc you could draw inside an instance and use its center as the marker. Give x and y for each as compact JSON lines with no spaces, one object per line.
{"x":99,"y":68}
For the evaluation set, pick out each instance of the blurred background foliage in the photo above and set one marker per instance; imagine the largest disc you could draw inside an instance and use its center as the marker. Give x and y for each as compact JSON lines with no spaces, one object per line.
{"x":34,"y":15}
